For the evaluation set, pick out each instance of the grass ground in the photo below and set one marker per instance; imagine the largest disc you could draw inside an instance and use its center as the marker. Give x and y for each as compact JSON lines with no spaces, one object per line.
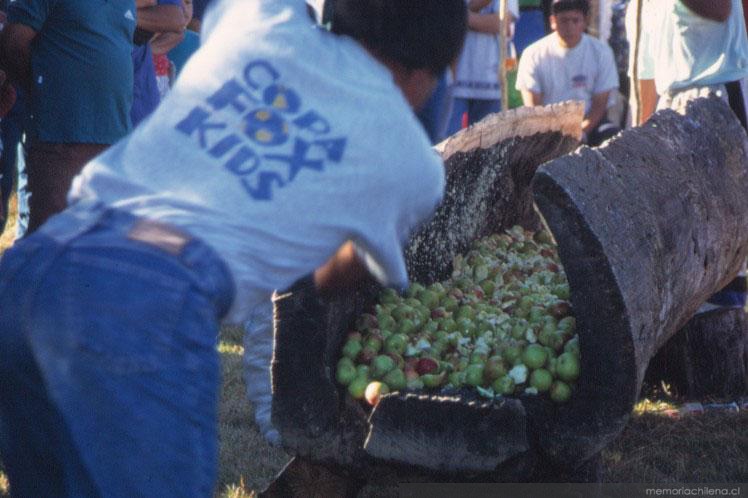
{"x":7,"y":235}
{"x":708,"y":448}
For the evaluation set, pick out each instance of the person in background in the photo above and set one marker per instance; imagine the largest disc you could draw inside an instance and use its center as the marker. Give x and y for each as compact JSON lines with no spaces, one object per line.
{"x":618,"y":42}
{"x":706,"y":52}
{"x":689,"y":49}
{"x":73,"y":64}
{"x":568,"y":64}
{"x":161,"y":45}
{"x":154,"y":17}
{"x":248,"y":178}
{"x":199,"y":8}
{"x":477,"y":90}
{"x":180,"y":54}
{"x":436,"y":114}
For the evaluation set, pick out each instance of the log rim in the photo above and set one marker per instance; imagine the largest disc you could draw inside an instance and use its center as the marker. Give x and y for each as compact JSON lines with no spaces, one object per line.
{"x":516,"y":123}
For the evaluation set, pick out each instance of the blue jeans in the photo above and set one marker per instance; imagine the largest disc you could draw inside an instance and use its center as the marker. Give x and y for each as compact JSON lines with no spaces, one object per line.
{"x":436,"y":112}
{"x":110,"y":374}
{"x":476,"y":110}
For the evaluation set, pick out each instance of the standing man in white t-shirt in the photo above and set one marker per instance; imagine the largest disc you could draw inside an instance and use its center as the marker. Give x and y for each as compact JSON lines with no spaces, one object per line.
{"x":568,"y":64}
{"x":689,"y":49}
{"x":284,"y":152}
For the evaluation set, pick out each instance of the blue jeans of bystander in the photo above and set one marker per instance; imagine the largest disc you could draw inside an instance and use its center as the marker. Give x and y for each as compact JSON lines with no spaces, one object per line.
{"x":110,"y":374}
{"x":476,"y":110}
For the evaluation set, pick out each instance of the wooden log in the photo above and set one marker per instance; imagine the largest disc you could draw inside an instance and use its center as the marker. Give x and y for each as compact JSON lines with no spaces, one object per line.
{"x":488,"y":434}
{"x":314,"y":419}
{"x":706,"y":358}
{"x":648,"y":226}
{"x":489,"y":169}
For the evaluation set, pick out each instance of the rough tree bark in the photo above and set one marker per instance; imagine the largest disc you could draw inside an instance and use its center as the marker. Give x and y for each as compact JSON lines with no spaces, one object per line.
{"x":648,"y":226}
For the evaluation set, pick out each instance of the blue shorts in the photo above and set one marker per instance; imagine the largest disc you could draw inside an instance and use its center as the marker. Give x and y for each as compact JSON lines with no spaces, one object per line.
{"x":110,"y":374}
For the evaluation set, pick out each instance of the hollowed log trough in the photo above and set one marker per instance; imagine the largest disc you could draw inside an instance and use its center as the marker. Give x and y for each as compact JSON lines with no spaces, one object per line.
{"x":647,"y":226}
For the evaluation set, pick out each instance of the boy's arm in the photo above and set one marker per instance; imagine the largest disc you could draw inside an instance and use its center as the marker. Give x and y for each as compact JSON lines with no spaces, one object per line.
{"x":531,"y":99}
{"x":484,"y":23}
{"x":598,"y":109}
{"x":342,"y":272}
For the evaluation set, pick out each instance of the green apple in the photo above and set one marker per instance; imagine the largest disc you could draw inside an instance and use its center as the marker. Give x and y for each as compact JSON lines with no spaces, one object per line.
{"x":396,"y":343}
{"x":534,"y":356}
{"x":494,"y":369}
{"x":381,"y":365}
{"x":352,"y":348}
{"x":433,"y":380}
{"x":345,"y":371}
{"x":541,"y":379}
{"x":474,"y":374}
{"x":567,"y":367}
{"x":503,"y":385}
{"x":395,"y":378}
{"x":357,"y":387}
{"x":560,"y":392}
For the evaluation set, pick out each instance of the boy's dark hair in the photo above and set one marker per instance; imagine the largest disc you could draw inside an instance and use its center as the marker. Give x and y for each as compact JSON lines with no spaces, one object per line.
{"x":419,"y":34}
{"x":567,"y":5}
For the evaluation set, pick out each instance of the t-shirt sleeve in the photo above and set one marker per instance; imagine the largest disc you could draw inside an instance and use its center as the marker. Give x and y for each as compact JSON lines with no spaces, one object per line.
{"x":527,"y":72}
{"x":32,"y":13}
{"x":608,"y":77}
{"x":421,"y":191}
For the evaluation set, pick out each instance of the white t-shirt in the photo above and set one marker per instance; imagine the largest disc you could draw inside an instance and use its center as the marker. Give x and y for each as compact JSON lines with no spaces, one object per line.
{"x":562,"y":74}
{"x":279,"y":142}
{"x":477,"y":74}
{"x":680,"y":49}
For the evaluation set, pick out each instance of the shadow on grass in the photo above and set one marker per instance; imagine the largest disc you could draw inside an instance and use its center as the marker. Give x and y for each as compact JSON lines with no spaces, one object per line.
{"x":705,"y":448}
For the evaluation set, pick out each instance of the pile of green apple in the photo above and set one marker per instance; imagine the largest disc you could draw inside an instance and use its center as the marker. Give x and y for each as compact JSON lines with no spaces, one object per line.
{"x":501,"y":324}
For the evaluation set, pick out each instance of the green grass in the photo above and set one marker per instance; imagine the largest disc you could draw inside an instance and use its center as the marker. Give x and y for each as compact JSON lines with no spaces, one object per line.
{"x":6,"y":237}
{"x":246,"y":461}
